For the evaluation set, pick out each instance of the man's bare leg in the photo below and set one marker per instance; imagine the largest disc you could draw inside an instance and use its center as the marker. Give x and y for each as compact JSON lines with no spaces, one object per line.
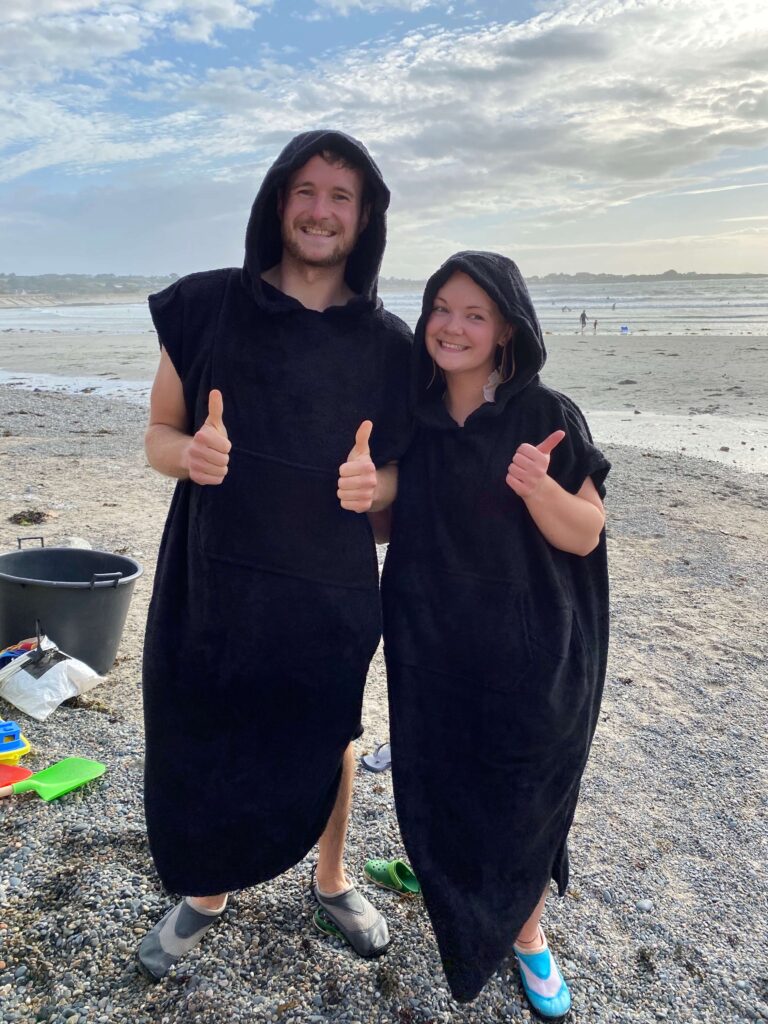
{"x":177,"y":932}
{"x":330,"y":874}
{"x":213,"y":903}
{"x":350,"y":912}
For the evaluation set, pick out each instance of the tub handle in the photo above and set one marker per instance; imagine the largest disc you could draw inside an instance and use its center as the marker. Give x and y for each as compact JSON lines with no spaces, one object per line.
{"x":41,"y":539}
{"x":102,"y":577}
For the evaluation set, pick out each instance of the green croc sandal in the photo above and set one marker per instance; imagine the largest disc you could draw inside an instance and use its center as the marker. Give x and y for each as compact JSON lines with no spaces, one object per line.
{"x":395,"y":875}
{"x":324,"y":924}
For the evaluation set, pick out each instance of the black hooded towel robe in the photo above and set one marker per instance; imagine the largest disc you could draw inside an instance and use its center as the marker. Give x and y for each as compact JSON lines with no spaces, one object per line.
{"x":495,"y":644}
{"x":265,"y":611}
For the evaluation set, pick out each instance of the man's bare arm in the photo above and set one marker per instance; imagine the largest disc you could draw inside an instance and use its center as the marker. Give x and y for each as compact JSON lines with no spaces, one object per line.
{"x":203,"y":457}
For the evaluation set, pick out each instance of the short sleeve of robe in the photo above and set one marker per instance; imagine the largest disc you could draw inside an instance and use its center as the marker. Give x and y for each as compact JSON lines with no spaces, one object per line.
{"x":167,"y":310}
{"x":577,"y":457}
{"x":185,"y":314}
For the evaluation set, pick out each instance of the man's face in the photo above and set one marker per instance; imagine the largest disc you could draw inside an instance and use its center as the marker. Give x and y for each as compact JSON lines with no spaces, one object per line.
{"x":321,"y":212}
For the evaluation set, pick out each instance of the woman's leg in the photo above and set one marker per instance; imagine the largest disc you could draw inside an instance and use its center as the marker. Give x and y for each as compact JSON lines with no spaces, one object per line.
{"x":529,"y":934}
{"x":542,"y":981}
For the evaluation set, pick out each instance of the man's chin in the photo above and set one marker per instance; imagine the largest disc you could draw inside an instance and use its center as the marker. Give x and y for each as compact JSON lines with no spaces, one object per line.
{"x":335,"y":258}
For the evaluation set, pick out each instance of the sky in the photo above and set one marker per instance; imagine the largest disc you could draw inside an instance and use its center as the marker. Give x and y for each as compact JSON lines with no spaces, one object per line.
{"x":626,"y":136}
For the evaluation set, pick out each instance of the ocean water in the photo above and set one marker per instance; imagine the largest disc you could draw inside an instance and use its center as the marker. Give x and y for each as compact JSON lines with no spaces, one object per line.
{"x":728,"y":307}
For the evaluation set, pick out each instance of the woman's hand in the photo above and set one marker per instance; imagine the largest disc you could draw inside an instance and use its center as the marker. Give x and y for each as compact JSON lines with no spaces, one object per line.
{"x":528,"y":469}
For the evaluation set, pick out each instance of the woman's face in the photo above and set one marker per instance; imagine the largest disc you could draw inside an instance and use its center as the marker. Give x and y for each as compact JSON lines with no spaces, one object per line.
{"x":465,"y":328}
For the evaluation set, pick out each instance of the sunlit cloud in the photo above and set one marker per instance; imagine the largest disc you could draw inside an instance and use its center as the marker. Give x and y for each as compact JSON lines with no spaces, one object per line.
{"x":598,"y":113}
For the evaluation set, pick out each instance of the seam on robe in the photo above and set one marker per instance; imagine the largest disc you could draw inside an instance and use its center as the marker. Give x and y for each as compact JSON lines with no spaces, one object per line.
{"x":292,"y":575}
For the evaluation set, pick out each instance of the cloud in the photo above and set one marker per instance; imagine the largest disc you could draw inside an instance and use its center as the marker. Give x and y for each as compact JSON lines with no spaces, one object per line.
{"x":586,"y":107}
{"x":345,"y":7}
{"x":721,"y":188}
{"x":204,"y":18}
{"x":44,"y":40}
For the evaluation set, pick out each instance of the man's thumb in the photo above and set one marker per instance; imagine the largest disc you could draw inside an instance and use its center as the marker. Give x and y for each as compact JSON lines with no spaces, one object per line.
{"x":216,"y":412}
{"x":362,"y":437}
{"x":549,"y":444}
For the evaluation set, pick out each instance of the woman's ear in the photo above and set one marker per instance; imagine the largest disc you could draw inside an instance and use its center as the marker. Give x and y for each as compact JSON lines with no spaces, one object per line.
{"x":508,"y":334}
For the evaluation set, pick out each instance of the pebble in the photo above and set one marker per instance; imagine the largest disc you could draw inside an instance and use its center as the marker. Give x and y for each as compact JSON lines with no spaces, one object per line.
{"x":645,"y":905}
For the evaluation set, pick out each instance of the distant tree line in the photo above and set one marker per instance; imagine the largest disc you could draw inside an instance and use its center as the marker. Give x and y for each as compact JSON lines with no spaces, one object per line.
{"x":114,"y":284}
{"x":81,"y":284}
{"x":668,"y":275}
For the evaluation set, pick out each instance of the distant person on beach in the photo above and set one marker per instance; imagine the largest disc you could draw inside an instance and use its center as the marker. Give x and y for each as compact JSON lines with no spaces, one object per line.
{"x":583,"y":319}
{"x":594,"y":327}
{"x":495,"y":596}
{"x":266,"y":612}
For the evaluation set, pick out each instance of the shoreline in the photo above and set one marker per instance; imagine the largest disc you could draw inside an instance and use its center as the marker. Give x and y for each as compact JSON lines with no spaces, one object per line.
{"x":702,"y":396}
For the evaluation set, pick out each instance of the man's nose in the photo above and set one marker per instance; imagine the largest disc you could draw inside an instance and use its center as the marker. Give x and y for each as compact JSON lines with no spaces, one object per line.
{"x":320,"y":206}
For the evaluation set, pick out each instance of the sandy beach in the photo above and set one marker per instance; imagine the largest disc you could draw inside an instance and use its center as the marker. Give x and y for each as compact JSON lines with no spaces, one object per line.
{"x":701,"y":396}
{"x":666,"y":914}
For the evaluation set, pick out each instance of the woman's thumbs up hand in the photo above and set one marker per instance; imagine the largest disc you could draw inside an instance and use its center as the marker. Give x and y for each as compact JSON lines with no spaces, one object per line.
{"x":529,"y":467}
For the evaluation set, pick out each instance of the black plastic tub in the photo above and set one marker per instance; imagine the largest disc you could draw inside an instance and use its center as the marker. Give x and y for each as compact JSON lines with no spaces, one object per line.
{"x":79,"y":596}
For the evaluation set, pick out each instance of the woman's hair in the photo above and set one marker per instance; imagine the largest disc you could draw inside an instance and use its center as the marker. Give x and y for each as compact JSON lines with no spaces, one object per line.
{"x":505,"y":357}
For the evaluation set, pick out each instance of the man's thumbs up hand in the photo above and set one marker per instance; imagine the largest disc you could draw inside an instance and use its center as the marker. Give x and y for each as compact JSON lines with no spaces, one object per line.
{"x":357,"y":476}
{"x":216,"y":412}
{"x":208,"y":452}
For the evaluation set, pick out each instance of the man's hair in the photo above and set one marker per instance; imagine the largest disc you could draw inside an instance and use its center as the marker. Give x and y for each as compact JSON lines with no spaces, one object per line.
{"x":336,"y":159}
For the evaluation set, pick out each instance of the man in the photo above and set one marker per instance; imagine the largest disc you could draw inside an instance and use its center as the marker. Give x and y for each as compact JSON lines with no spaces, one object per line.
{"x":265,"y":612}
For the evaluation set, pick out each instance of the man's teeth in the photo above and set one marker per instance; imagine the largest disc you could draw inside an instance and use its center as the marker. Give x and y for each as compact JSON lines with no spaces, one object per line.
{"x":317,"y":231}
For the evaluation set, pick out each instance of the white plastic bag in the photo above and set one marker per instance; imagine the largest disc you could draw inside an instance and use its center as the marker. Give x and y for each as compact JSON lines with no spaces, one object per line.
{"x":37,"y":687}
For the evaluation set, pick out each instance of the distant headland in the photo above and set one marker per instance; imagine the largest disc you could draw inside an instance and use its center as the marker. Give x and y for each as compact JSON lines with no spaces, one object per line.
{"x":97,"y":289}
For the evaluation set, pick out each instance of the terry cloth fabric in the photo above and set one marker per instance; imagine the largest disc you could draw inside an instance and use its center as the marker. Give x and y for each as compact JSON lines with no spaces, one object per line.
{"x":495,"y":645}
{"x":265,"y":612}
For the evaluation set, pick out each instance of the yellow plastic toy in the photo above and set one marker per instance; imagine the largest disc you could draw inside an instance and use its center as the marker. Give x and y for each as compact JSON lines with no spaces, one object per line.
{"x":13,"y":746}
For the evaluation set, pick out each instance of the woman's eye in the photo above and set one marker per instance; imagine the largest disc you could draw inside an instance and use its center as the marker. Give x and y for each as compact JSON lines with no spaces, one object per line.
{"x":438,"y":309}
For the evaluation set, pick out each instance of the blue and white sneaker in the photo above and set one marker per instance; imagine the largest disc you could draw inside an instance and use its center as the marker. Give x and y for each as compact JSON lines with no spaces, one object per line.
{"x":543,"y":984}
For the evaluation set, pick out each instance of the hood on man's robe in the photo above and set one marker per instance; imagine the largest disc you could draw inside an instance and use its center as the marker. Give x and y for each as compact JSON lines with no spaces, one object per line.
{"x":263,"y":238}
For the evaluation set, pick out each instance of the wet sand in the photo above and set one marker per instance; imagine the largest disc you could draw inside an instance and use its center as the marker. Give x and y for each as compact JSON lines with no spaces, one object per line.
{"x":702,"y":396}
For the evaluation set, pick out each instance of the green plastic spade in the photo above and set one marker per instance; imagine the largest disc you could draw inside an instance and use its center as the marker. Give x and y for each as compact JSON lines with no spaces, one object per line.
{"x":59,"y":778}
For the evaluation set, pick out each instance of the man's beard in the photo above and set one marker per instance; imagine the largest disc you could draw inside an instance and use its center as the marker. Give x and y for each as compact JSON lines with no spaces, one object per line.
{"x":336,"y":257}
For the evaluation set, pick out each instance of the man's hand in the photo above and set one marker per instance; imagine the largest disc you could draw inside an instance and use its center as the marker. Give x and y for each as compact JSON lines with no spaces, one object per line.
{"x":357,"y":476}
{"x":528,"y":469}
{"x":208,"y":451}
